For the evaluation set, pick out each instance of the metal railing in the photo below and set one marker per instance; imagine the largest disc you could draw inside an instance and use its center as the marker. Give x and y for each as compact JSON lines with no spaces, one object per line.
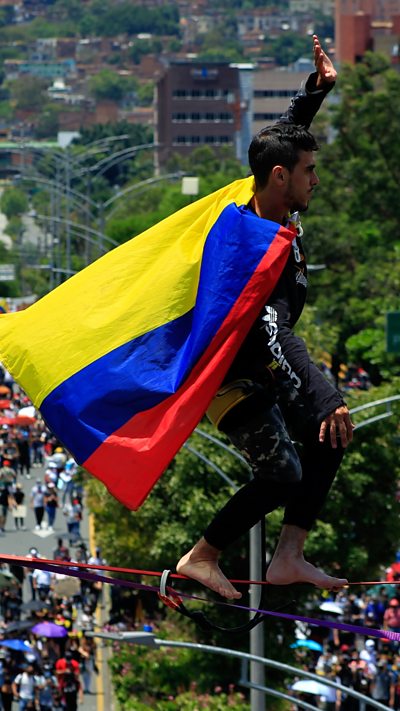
{"x":150,"y":640}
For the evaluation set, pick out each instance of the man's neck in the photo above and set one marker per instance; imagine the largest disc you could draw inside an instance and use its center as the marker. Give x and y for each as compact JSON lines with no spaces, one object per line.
{"x":268,"y":210}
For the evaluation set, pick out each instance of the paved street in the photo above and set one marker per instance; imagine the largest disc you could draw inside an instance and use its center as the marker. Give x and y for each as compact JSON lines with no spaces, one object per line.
{"x":19,"y":542}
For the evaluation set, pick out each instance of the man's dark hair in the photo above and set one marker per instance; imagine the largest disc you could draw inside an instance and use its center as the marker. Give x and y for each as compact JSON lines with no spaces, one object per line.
{"x":278,"y":145}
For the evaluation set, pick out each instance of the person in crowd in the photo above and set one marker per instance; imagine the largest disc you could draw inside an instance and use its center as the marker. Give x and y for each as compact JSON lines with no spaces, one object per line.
{"x":10,"y":453}
{"x":42,"y":582}
{"x":273,"y":393}
{"x":383,"y":684}
{"x":5,"y":504}
{"x":374,"y":611}
{"x":6,"y":691}
{"x":47,"y":687}
{"x":60,"y":458}
{"x":67,"y":672}
{"x":73,"y":514}
{"x":37,"y":502}
{"x":25,"y":688}
{"x":24,"y":453}
{"x":11,"y":601}
{"x":37,"y":444}
{"x":87,"y":620}
{"x":33,"y":553}
{"x":61,"y":552}
{"x":97,"y":587}
{"x":18,"y":507}
{"x":87,"y":649}
{"x":369,"y":656}
{"x":7,"y":473}
{"x":391,"y":619}
{"x":51,"y":504}
{"x":51,"y":474}
{"x":67,"y":477}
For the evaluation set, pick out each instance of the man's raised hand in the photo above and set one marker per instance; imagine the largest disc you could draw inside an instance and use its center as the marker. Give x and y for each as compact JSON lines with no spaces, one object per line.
{"x":326,"y":71}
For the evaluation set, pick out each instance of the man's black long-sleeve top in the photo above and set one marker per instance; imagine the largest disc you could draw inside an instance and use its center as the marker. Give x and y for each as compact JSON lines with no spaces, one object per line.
{"x":271,"y":342}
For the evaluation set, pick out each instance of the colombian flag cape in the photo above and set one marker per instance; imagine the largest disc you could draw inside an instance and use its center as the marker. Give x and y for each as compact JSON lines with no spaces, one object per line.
{"x":124,"y":358}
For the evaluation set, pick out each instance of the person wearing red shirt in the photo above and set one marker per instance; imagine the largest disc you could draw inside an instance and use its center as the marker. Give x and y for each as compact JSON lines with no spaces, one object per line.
{"x":67,"y":673}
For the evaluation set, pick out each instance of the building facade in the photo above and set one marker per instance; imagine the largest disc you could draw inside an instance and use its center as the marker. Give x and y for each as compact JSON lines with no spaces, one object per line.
{"x":202,"y":104}
{"x":219,"y":104}
{"x":362,"y":25}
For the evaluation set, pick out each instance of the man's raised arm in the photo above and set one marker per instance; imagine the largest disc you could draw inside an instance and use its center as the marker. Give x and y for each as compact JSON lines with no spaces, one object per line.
{"x":305,"y":105}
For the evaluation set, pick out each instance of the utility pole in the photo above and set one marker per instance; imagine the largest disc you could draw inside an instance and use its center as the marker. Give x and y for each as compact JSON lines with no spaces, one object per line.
{"x":257,"y":670}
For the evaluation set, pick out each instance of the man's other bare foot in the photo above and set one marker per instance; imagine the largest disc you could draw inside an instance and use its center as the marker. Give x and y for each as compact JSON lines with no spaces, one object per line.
{"x":284,"y":571}
{"x":207,"y":572}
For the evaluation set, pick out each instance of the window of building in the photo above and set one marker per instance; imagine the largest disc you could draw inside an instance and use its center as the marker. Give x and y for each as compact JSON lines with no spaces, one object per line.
{"x":274,"y":93}
{"x":225,"y":116}
{"x":179,"y":116}
{"x":266,"y":116}
{"x":197,"y":140}
{"x":216,"y":94}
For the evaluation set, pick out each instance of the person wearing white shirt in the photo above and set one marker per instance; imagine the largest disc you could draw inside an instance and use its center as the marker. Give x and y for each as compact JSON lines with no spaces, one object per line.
{"x":42,"y":582}
{"x":24,"y":688}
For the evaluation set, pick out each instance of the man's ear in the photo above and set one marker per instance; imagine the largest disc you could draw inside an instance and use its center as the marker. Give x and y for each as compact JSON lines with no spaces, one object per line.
{"x":279,"y":174}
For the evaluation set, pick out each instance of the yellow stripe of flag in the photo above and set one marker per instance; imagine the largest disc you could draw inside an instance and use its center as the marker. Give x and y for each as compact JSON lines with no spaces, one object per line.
{"x":139,"y":286}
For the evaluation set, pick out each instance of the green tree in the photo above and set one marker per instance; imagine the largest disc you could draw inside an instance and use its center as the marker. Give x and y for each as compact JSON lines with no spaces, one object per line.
{"x":106,"y":84}
{"x":28,"y":93}
{"x":145,"y":94}
{"x":13,"y":202}
{"x":72,"y":10}
{"x":287,"y":48}
{"x":6,"y":15}
{"x":48,"y":123}
{"x":110,"y":19}
{"x":141,"y":47}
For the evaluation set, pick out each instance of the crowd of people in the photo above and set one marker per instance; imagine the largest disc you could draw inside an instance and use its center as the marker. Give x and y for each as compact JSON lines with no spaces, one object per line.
{"x":47,"y":661}
{"x":50,"y":667}
{"x":368,"y":666}
{"x":25,"y":445}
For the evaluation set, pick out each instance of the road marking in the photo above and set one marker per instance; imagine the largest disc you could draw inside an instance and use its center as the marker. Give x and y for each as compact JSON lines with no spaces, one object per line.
{"x":43,"y":533}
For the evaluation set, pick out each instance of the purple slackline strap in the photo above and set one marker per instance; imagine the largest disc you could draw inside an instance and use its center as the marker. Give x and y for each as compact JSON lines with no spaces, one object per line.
{"x":331,"y":624}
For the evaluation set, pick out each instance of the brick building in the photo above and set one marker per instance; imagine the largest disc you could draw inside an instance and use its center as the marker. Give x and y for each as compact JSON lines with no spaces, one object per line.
{"x":363,"y":25}
{"x":203,"y":104}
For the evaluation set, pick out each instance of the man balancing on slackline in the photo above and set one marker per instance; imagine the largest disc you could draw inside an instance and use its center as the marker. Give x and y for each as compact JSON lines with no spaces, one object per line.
{"x":273,"y":393}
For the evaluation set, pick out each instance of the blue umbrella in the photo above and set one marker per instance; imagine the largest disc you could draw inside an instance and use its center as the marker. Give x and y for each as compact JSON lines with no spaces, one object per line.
{"x":18,"y":645}
{"x":309,"y":643}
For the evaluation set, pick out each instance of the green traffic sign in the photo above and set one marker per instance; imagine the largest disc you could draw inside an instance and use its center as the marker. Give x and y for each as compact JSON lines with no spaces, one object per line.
{"x":393,"y":332}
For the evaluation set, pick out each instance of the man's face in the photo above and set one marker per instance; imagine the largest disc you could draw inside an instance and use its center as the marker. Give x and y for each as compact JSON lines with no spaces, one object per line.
{"x":302,"y":181}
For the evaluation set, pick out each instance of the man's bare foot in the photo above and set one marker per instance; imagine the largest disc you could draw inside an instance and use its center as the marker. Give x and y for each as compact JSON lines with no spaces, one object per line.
{"x":283,"y":571}
{"x":208,"y":573}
